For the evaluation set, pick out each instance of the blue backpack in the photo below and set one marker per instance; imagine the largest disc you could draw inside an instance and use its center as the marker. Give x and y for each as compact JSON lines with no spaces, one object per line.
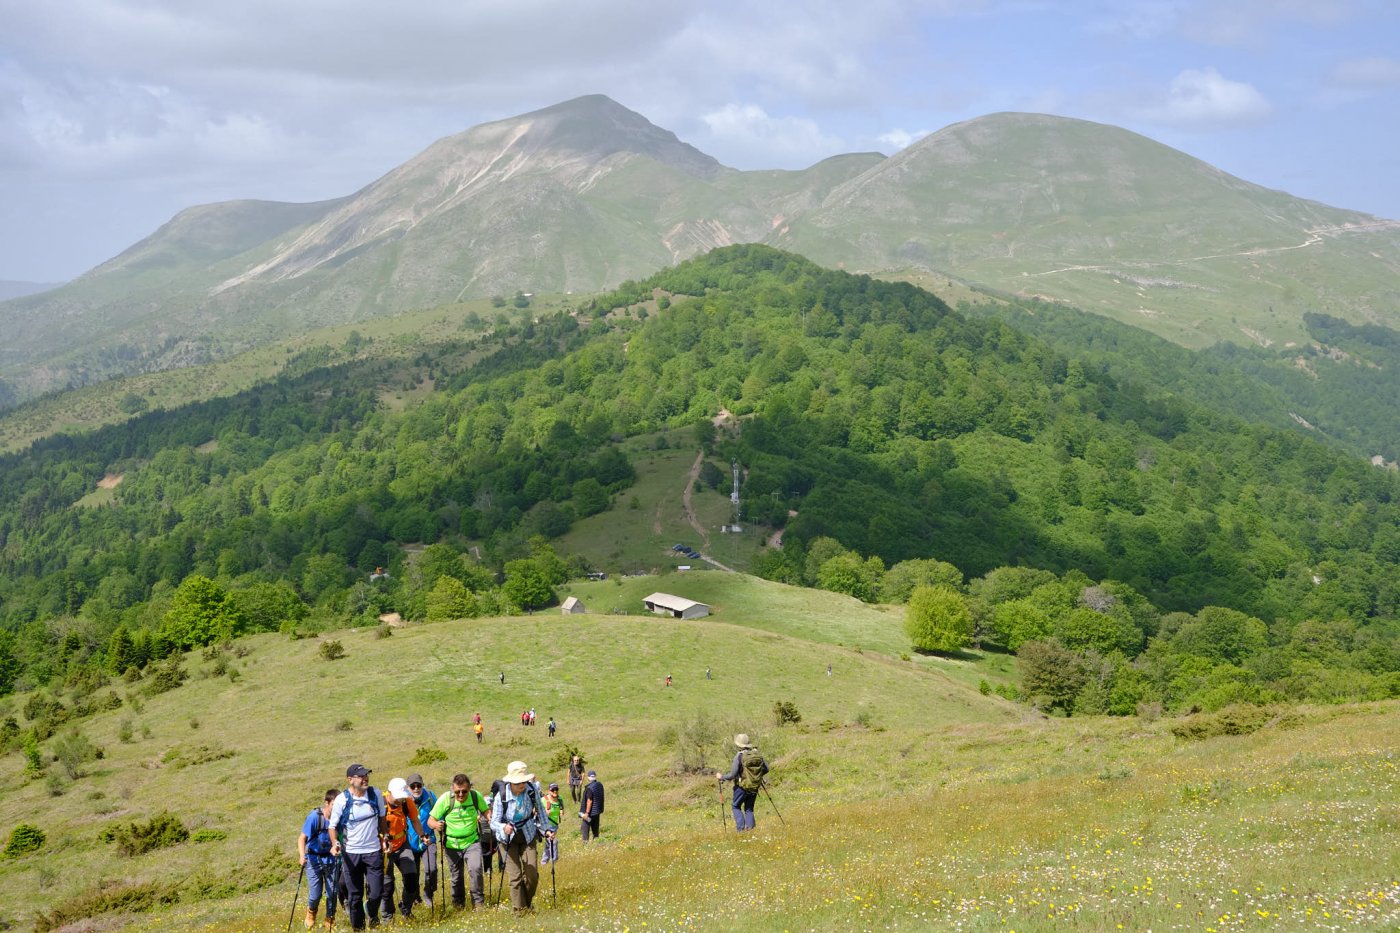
{"x":373,"y":796}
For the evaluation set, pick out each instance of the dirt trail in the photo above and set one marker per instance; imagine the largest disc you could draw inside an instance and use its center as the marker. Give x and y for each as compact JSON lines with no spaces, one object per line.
{"x":1315,"y":236}
{"x":690,"y":518}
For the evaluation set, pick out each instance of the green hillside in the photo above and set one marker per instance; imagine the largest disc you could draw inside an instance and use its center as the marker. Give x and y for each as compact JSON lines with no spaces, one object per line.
{"x":1009,"y":820}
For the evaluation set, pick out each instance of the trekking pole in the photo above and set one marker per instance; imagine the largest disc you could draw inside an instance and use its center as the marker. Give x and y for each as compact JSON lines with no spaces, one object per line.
{"x":723,"y":820}
{"x":553,"y":890}
{"x":764,"y":787}
{"x":296,"y":897}
{"x":442,"y":872}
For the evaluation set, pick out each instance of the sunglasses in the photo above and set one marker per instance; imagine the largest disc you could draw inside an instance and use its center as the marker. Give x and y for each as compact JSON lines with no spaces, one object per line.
{"x":415,"y":787}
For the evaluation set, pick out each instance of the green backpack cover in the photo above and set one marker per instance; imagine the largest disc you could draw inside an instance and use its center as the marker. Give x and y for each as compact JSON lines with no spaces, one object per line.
{"x":752,"y":768}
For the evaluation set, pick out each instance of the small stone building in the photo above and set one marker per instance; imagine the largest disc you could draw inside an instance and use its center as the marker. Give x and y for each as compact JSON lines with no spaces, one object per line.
{"x":573,"y":606}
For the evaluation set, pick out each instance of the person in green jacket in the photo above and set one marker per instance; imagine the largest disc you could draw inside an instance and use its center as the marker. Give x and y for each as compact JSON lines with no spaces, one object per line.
{"x":554,"y":809}
{"x":455,"y":816}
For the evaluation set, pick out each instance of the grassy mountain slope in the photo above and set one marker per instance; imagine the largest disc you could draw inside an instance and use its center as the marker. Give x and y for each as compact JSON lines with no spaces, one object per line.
{"x":1111,"y":222}
{"x":1007,"y":821}
{"x":586,"y":194}
{"x":578,"y":196}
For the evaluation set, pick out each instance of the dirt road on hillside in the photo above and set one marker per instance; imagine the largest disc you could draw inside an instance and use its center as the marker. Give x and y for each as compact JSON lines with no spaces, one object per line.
{"x":690,"y":518}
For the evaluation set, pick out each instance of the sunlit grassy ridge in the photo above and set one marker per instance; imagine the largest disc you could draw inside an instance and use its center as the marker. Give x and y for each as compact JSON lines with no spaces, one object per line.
{"x":910,"y":800}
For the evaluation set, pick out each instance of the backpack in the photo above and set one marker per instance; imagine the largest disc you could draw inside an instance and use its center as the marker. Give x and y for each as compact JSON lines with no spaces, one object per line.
{"x":322,"y":825}
{"x":484,"y":837}
{"x":752,"y":768}
{"x":371,"y":795}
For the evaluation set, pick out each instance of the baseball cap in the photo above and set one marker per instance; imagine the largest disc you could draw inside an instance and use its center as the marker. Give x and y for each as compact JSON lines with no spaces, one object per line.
{"x":553,"y":785}
{"x":357,"y":771}
{"x":593,"y":774}
{"x":415,"y":778}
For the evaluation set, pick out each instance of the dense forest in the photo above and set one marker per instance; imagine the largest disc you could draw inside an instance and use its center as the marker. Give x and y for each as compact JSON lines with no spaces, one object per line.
{"x":1339,"y":387}
{"x":1167,"y":550}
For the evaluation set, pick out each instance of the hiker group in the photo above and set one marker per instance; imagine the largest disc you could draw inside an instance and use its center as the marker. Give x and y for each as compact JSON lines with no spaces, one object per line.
{"x":354,"y":845}
{"x":380,"y":854}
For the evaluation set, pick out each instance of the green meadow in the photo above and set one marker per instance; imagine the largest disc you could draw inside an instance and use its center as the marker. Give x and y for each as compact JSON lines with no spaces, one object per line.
{"x":908,"y":799}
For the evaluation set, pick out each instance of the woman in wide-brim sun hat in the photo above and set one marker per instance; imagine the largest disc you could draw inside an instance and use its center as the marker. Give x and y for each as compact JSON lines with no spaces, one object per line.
{"x":519,"y":821}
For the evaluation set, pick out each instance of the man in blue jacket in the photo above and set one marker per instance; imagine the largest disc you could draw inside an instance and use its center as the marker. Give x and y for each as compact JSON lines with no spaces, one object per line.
{"x":427,"y":846}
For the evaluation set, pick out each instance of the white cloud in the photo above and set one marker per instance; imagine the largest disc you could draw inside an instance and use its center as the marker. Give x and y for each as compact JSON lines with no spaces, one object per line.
{"x":1367,"y":73}
{"x":1199,"y":98}
{"x":897,"y":139}
{"x":746,"y":135}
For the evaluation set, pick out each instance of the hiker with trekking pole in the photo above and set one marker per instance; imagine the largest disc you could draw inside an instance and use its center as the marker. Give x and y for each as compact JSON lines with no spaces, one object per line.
{"x":519,"y":821}
{"x":458,"y":816}
{"x":427,"y":851}
{"x":747,"y":774}
{"x":317,"y":863}
{"x":357,"y":828}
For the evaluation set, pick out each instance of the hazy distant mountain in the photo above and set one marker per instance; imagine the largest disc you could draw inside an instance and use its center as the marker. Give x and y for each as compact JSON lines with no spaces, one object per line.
{"x":585,"y":194}
{"x":1112,"y":222}
{"x":20,"y":289}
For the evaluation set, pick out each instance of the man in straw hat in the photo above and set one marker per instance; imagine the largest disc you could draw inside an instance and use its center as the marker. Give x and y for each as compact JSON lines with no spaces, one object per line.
{"x":747,"y":774}
{"x":519,"y":821}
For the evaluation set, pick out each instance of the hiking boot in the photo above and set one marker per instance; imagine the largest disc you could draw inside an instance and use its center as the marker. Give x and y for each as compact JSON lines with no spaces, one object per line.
{"x":310,"y":918}
{"x":330,"y":923}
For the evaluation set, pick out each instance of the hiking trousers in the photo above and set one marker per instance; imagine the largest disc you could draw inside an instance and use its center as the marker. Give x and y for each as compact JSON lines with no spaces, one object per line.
{"x":320,"y":881}
{"x":405,"y":861}
{"x":364,"y":881}
{"x":742,"y":808}
{"x":470,"y":860}
{"x":590,"y":825}
{"x":428,"y":871}
{"x":575,"y":790}
{"x":522,"y":871}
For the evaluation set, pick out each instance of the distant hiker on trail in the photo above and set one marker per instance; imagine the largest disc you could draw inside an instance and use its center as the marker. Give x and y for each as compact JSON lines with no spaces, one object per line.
{"x":551,"y":727}
{"x":591,"y":812}
{"x":478,"y":729}
{"x":477,"y":718}
{"x":707,"y":674}
{"x":747,"y":774}
{"x":828,"y":670}
{"x":314,"y":851}
{"x":357,"y":825}
{"x":425,"y":800}
{"x":519,"y":822}
{"x":554,"y":809}
{"x":457,"y":816}
{"x":404,"y":829}
{"x":668,"y":680}
{"x":575,"y":778}
{"x":503,"y":678}
{"x":532,"y":715}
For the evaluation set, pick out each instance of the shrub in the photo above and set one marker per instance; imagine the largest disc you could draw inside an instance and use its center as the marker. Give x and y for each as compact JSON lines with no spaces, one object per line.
{"x":24,"y":838}
{"x":133,"y":838}
{"x":1232,"y":720}
{"x":561,"y":759}
{"x":208,"y":835}
{"x":427,"y":756}
{"x":332,"y":650}
{"x":384,"y":631}
{"x":73,"y":750}
{"x":164,"y":678}
{"x":133,"y":898}
{"x":785,"y":711}
{"x":344,"y":725}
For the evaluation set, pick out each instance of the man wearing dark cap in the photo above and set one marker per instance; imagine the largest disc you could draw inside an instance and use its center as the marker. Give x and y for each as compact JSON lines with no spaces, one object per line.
{"x":427,"y":859}
{"x":357,"y":832}
{"x":592,"y":807}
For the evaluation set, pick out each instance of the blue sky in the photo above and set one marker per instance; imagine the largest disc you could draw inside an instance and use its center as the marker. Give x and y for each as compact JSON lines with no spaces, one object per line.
{"x":116,"y":114}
